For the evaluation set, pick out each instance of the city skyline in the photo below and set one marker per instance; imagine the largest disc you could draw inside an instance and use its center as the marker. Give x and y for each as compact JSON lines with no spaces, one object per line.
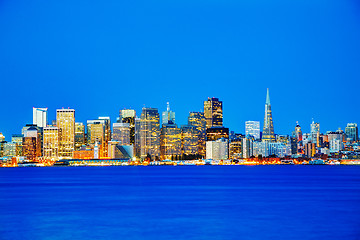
{"x":161,"y":116}
{"x":61,"y":56}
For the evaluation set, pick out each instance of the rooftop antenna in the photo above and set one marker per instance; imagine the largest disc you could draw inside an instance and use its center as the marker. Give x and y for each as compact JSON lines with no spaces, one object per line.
{"x":168,"y":107}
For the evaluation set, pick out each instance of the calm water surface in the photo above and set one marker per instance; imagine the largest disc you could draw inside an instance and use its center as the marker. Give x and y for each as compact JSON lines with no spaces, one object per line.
{"x":183,"y":202}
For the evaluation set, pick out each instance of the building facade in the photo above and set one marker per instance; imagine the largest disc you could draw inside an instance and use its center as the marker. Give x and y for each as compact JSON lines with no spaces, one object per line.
{"x":150,"y":133}
{"x":40,"y":117}
{"x":252,"y":128}
{"x":65,"y":121}
{"x":268,"y":130}
{"x":213,"y":112}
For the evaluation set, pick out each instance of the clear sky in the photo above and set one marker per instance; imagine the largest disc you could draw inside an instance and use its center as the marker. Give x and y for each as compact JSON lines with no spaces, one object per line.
{"x":101,"y":56}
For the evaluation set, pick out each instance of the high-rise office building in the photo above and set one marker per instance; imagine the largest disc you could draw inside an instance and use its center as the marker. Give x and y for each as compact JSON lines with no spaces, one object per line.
{"x":128,"y":116}
{"x":150,"y":133}
{"x":315,"y":133}
{"x":268,"y":130}
{"x":65,"y":121}
{"x":217,"y":150}
{"x":51,"y":142}
{"x":298,"y":132}
{"x":137,"y":143}
{"x":40,"y":117}
{"x":352,"y":132}
{"x":189,"y":140}
{"x":32,"y":143}
{"x":213,"y":112}
{"x":235,"y":148}
{"x":168,"y":116}
{"x":170,"y":141}
{"x":96,"y":135}
{"x":2,"y":137}
{"x":252,"y":128}
{"x":215,"y":133}
{"x":197,"y":119}
{"x":121,"y":133}
{"x":18,"y":140}
{"x":107,"y":136}
{"x":79,"y":135}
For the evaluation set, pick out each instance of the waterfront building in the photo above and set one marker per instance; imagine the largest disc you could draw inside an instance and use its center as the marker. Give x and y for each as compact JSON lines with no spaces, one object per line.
{"x":40,"y":117}
{"x":189,"y":140}
{"x":85,"y":152}
{"x":310,"y":149}
{"x":197,"y":119}
{"x":268,"y":130}
{"x":235,"y":147}
{"x":128,"y":116}
{"x":336,"y":140}
{"x":217,"y":150}
{"x":252,"y":128}
{"x":247,"y":147}
{"x":279,"y":149}
{"x":352,"y":132}
{"x":168,"y":117}
{"x":121,"y":133}
{"x":315,"y":133}
{"x":170,"y":141}
{"x":107,"y":136}
{"x":213,"y":112}
{"x":32,"y":143}
{"x":119,"y":151}
{"x":99,"y":132}
{"x":137,"y":142}
{"x":65,"y":121}
{"x":18,"y":140}
{"x":96,"y":134}
{"x":80,"y":139}
{"x":260,"y":148}
{"x":9,"y":149}
{"x":51,"y":142}
{"x":215,"y":133}
{"x":150,"y":133}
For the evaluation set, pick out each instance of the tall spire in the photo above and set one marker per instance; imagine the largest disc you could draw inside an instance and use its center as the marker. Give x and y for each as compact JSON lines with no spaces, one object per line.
{"x":268,"y":131}
{"x":268,"y":97}
{"x":168,"y":107}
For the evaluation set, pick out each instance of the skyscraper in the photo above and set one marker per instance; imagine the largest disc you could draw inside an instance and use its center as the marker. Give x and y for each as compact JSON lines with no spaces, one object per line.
{"x":217,"y":150}
{"x":352,"y":132}
{"x":252,"y":128}
{"x":79,"y":135}
{"x":98,"y":131}
{"x":51,"y":142}
{"x":213,"y":112}
{"x":121,"y":133}
{"x":107,"y":136}
{"x":170,"y":141}
{"x":128,"y":116}
{"x":189,"y":140}
{"x":298,"y":132}
{"x":65,"y":121}
{"x":268,"y":130}
{"x":40,"y":117}
{"x":150,"y":133}
{"x":315,"y":133}
{"x":32,"y":142}
{"x":197,"y":119}
{"x":168,"y":117}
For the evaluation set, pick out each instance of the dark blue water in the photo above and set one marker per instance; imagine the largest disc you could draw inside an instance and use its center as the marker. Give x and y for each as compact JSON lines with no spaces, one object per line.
{"x":207,"y":202}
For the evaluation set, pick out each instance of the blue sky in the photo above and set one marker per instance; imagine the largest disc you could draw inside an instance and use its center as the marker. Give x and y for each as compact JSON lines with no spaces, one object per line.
{"x":101,"y":56}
